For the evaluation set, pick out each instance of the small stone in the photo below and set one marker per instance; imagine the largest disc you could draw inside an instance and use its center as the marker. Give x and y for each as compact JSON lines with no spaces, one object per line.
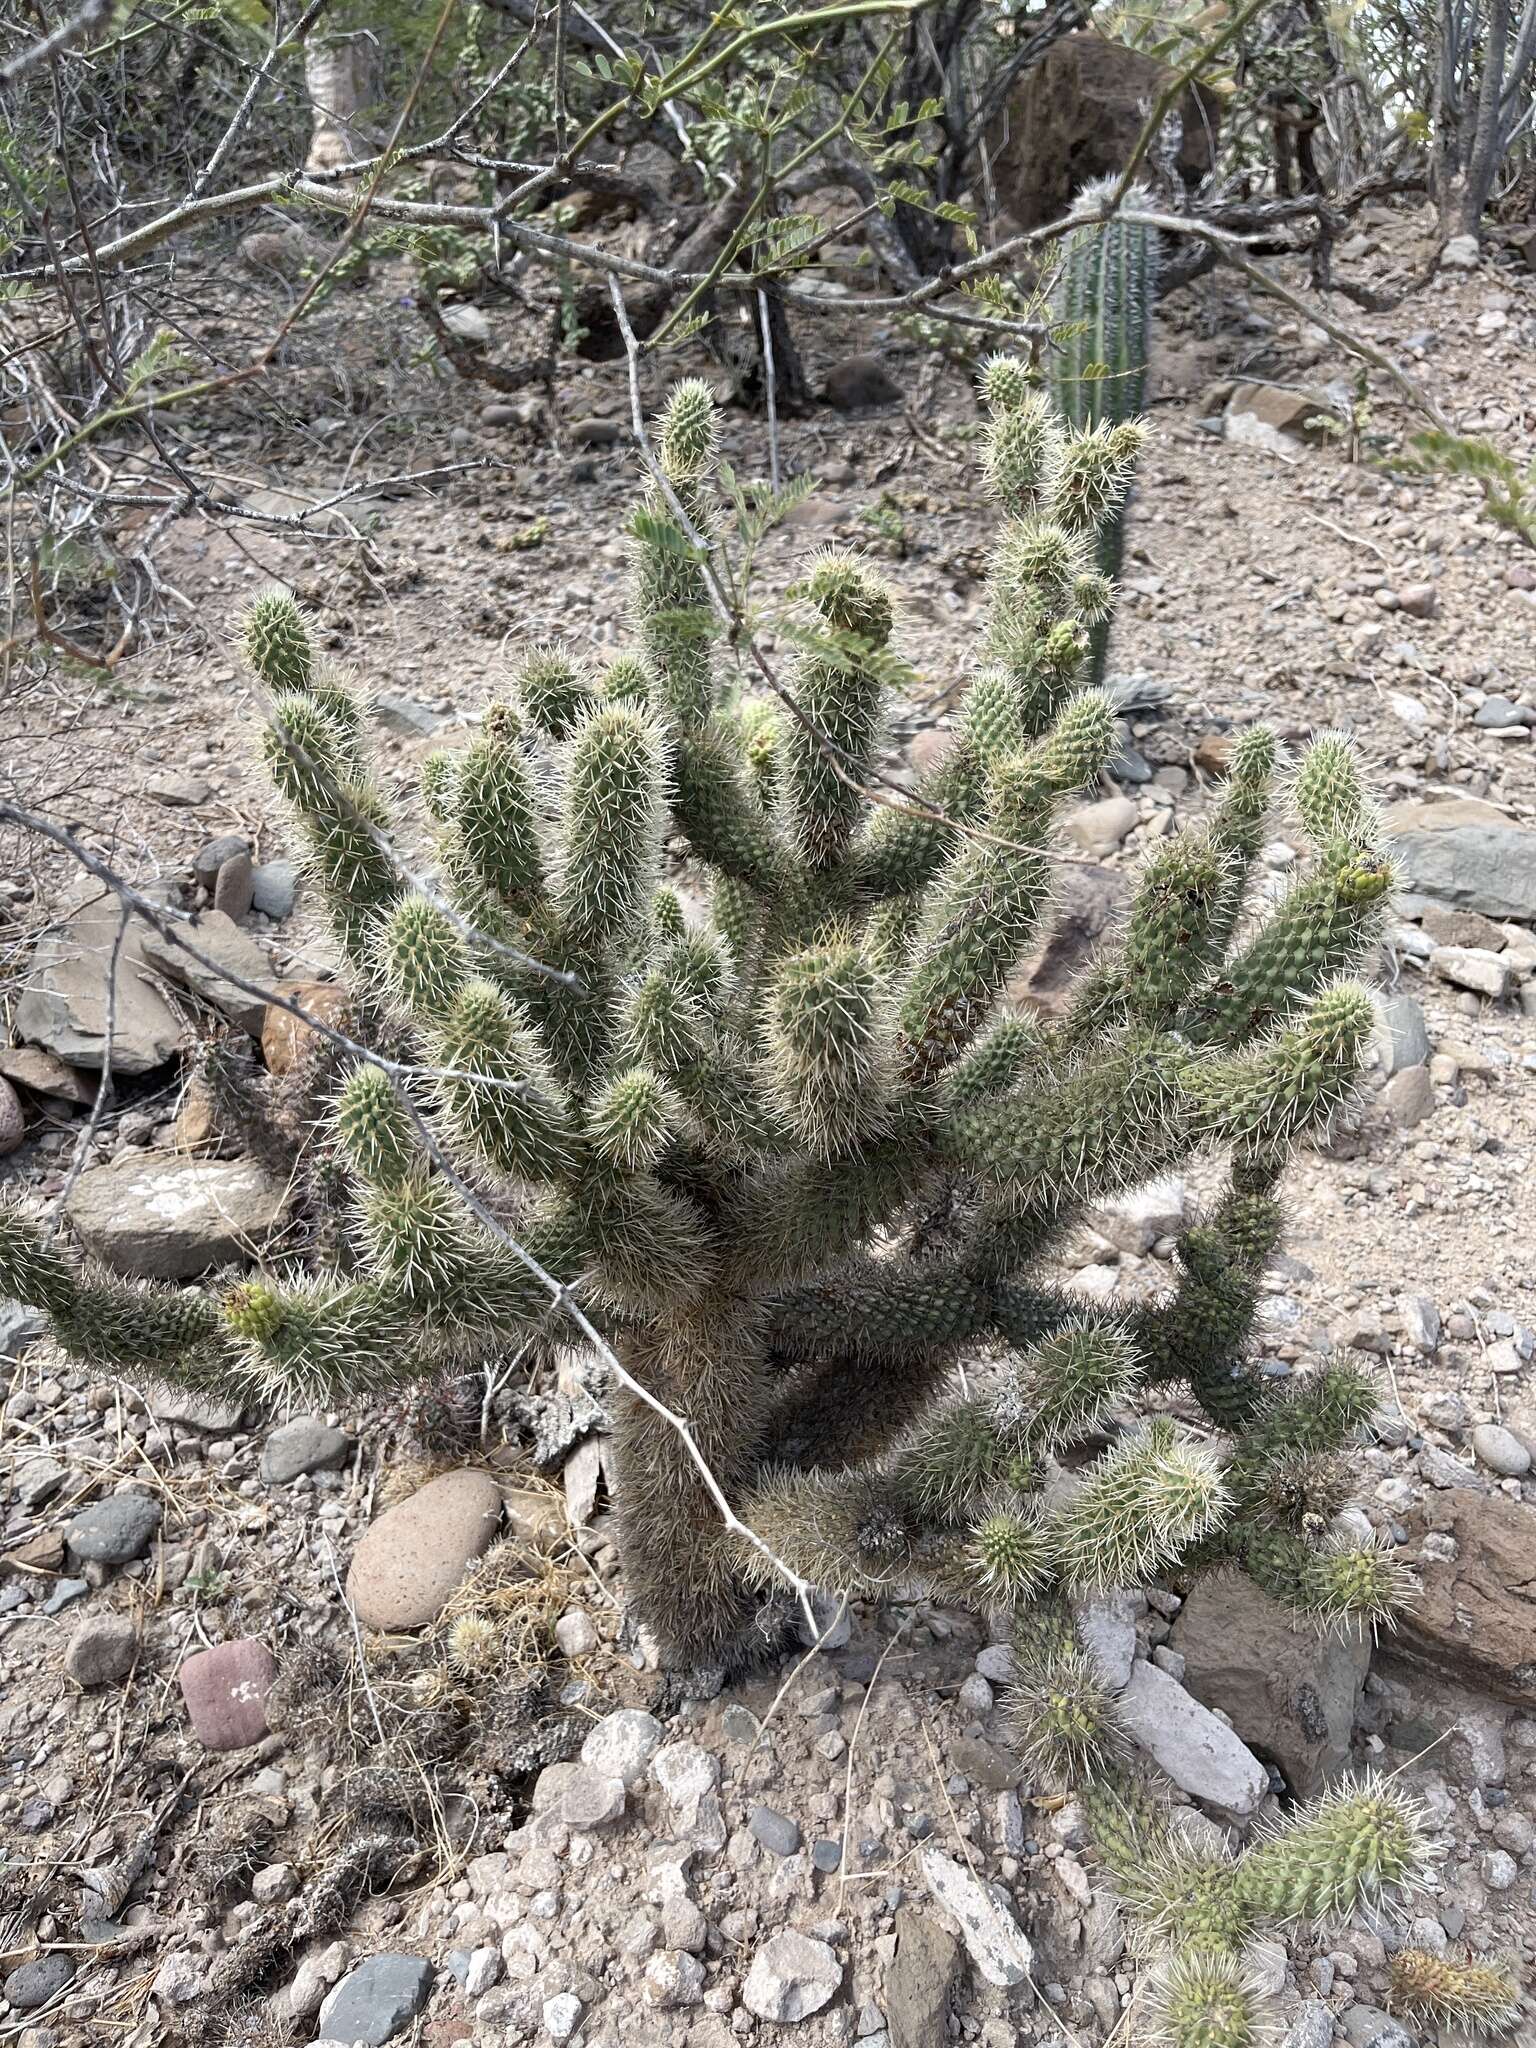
{"x":1311,"y":2026}
{"x":307,"y":1444}
{"x":275,"y":888}
{"x":1106,"y":1628}
{"x":1461,"y":252}
{"x":64,"y":1004}
{"x":415,"y":1554}
{"x":373,"y":2002}
{"x":997,"y":1945}
{"x":1472,"y":968}
{"x":995,"y":1663}
{"x":178,"y":792}
{"x":826,"y":1856}
{"x":1502,"y":714}
{"x":859,"y":381}
{"x":226,"y":1689}
{"x":13,"y":1124}
{"x":576,"y":1634}
{"x":1410,"y":1096}
{"x":234,"y":888}
{"x":1100,"y":827}
{"x":102,"y":1649}
{"x":1499,"y":1870}
{"x":1419,"y":600}
{"x":622,"y":1744}
{"x":595,"y":433}
{"x":674,"y":1980}
{"x":588,"y":1799}
{"x":919,"y":1981}
{"x":212,"y":856}
{"x":779,"y":1835}
{"x":975,"y":1696}
{"x":1500,"y":1450}
{"x":792,"y":1976}
{"x":274,"y":1883}
{"x":114,"y":1530}
{"x":36,"y":1479}
{"x":34,"y":1983}
{"x":1420,"y":1320}
{"x":561,"y":2015}
{"x":1403,"y":1037}
{"x":196,"y":1411}
{"x":683,"y":1925}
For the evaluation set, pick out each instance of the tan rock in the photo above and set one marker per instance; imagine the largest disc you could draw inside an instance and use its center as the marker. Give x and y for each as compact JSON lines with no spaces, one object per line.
{"x":287,"y":1040}
{"x":414,"y":1556}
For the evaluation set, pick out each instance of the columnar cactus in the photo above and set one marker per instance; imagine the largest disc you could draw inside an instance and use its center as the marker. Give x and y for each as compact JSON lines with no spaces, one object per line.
{"x":794,"y":1156}
{"x":1102,"y":307}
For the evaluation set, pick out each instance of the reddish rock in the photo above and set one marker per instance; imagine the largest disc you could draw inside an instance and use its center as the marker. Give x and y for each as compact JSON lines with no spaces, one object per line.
{"x":285,"y":1039}
{"x":225,"y":1689}
{"x":1475,"y":1618}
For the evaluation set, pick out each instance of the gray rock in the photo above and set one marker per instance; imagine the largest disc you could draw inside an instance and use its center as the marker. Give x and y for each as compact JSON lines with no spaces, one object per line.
{"x":591,"y":1799}
{"x":275,"y":888}
{"x":1311,"y":2026}
{"x":1461,"y":252}
{"x":37,"y":1479}
{"x":20,"y":1328}
{"x":102,"y":1649}
{"x":792,"y":1976}
{"x":1367,"y":2026}
{"x":861,"y":380}
{"x":232,"y":951}
{"x":1403,"y":1037}
{"x":1136,"y":1221}
{"x":1201,"y":1754}
{"x":995,"y":1942}
{"x":13,"y":1122}
{"x":168,"y":1216}
{"x":995,"y":1663}
{"x":1502,"y":714}
{"x":114,"y":1530}
{"x":1473,"y":968}
{"x":196,"y":1411}
{"x":561,"y":2015}
{"x":596,"y":433}
{"x":304,"y":1445}
{"x":622,"y":1745}
{"x":210,"y":858}
{"x":1466,"y":853}
{"x":1106,"y":1628}
{"x":674,"y":1980}
{"x":404,"y":716}
{"x":779,"y":1835}
{"x":1421,"y":1322}
{"x":65,"y":1593}
{"x":1290,"y":1693}
{"x":64,"y":1003}
{"x":1500,"y":1450}
{"x":1100,"y":827}
{"x":1498,"y":1870}
{"x":178,"y":792}
{"x":34,"y":1983}
{"x":373,"y":2002}
{"x":1410,"y":1096}
{"x":919,"y":1980}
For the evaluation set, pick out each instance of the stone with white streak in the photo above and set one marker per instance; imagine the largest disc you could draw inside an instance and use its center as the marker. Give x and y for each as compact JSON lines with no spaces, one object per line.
{"x":995,"y":1942}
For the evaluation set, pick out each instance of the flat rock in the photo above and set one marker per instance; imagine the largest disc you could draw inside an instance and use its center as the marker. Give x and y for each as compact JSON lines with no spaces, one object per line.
{"x":168,"y":1216}
{"x":114,"y":1530}
{"x":178,"y":792}
{"x":415,"y":1554}
{"x":216,"y":934}
{"x":1201,"y":1754}
{"x":1106,"y":1628}
{"x":1472,"y":967}
{"x":226,"y":1689}
{"x":196,"y":1411}
{"x":1474,"y":1618}
{"x":37,"y":1478}
{"x":102,"y":1649}
{"x":1410,"y":1096}
{"x":373,"y":2002}
{"x":44,"y":1073}
{"x":919,"y":1980}
{"x":1465,"y":853}
{"x":1270,"y":415}
{"x":63,"y":1007}
{"x":1402,"y":1037}
{"x":304,"y":1445}
{"x":994,"y":1940}
{"x":404,"y":715}
{"x":1290,"y":1693}
{"x":792,"y":1976}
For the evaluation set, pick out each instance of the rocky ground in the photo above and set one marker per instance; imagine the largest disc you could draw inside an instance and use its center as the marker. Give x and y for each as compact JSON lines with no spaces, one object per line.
{"x":247,"y":1711}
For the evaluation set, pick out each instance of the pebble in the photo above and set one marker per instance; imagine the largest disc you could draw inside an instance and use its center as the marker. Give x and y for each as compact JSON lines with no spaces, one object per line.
{"x":1311,"y":2026}
{"x":226,"y":1689}
{"x":995,"y":1663}
{"x":275,"y":888}
{"x":211,"y":857}
{"x":1101,"y":827}
{"x":102,"y":1649}
{"x":674,"y":1980}
{"x":792,"y":1976}
{"x":307,"y":1444}
{"x":561,"y":2015}
{"x":34,"y":1983}
{"x":1471,"y":967}
{"x":576,"y":1634}
{"x":415,"y":1554}
{"x":234,"y":886}
{"x":1499,"y":1870}
{"x":373,"y":2002}
{"x":622,"y":1744}
{"x":1410,"y":1096}
{"x":589,"y":1799}
{"x":779,"y":1835}
{"x":1501,"y":1450}
{"x":114,"y":1530}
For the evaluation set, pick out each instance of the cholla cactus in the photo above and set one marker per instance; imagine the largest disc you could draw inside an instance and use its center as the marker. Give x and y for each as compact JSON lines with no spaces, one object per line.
{"x":790,"y":1156}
